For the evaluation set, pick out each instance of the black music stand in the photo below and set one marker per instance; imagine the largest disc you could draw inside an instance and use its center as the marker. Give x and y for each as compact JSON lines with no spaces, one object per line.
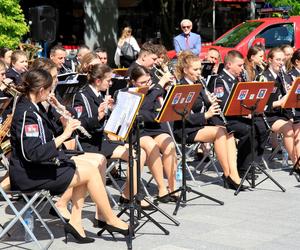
{"x":65,"y":90}
{"x":293,"y":101}
{"x":132,"y":122}
{"x":250,"y":98}
{"x":176,"y":106}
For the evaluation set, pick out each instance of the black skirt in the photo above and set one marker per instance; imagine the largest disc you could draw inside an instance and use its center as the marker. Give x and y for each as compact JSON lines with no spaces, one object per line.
{"x":54,"y":178}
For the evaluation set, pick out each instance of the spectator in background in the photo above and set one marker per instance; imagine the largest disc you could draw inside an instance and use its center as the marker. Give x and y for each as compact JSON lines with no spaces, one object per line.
{"x":102,"y":53}
{"x":126,"y":37}
{"x":5,"y":56}
{"x":187,"y":40}
{"x":18,"y":65}
{"x":58,"y":56}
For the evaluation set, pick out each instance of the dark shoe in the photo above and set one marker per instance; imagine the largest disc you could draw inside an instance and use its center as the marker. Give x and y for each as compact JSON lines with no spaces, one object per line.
{"x":69,"y":229}
{"x":112,"y":229}
{"x":230,"y":184}
{"x":124,"y":201}
{"x":163,"y":199}
{"x":174,"y":198}
{"x":99,"y":223}
{"x":54,"y":213}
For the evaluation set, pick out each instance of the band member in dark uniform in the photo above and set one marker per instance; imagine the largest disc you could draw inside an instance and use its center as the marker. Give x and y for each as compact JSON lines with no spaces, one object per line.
{"x":18,"y":65}
{"x":155,"y":138}
{"x":201,"y":120}
{"x":38,"y":163}
{"x":254,"y":62}
{"x":239,"y":126}
{"x":280,"y":119}
{"x":92,"y":109}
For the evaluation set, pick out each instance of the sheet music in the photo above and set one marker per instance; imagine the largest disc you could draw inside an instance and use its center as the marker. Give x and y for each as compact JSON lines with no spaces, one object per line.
{"x":123,"y":114}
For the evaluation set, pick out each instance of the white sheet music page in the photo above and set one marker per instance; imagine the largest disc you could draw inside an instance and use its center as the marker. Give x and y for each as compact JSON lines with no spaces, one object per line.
{"x":123,"y":114}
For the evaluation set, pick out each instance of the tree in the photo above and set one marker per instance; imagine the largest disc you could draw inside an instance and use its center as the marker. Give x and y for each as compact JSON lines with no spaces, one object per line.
{"x":295,"y":4}
{"x":12,"y":23}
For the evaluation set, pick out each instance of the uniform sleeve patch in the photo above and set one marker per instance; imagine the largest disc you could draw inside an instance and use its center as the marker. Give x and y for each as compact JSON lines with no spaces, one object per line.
{"x":78,"y":110}
{"x":219,"y":92}
{"x":32,"y":130}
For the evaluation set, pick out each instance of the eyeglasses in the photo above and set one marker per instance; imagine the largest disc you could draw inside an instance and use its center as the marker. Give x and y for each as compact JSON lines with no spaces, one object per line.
{"x":186,"y":27}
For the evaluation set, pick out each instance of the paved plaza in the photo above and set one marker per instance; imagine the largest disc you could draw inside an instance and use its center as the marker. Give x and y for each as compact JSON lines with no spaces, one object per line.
{"x":264,"y":218}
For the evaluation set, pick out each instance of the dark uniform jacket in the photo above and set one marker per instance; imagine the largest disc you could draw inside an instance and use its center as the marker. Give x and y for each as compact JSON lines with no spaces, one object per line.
{"x":86,"y":103}
{"x":14,"y":75}
{"x":34,"y":163}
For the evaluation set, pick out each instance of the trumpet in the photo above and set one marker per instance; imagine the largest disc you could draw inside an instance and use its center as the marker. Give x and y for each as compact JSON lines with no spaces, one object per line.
{"x":60,"y":109}
{"x":209,"y":94}
{"x":159,"y":73}
{"x":10,"y":88}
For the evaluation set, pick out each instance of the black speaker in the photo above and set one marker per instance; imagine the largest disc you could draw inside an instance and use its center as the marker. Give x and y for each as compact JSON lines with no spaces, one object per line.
{"x":43,"y":23}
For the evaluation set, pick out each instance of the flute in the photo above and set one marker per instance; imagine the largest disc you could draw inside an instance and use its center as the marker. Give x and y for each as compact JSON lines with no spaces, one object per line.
{"x":221,"y":114}
{"x":62,"y":111}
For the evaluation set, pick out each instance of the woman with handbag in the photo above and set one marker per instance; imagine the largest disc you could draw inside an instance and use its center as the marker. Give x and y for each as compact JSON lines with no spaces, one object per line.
{"x":127,"y":49}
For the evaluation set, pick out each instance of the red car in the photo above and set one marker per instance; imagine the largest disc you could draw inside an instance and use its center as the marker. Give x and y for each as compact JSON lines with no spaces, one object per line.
{"x":272,"y":32}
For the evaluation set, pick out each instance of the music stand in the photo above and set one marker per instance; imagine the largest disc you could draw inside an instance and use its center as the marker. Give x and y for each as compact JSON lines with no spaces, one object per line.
{"x":67,"y":88}
{"x":207,"y":68}
{"x":121,"y":124}
{"x":293,"y":101}
{"x":250,"y":98}
{"x":177,"y":104}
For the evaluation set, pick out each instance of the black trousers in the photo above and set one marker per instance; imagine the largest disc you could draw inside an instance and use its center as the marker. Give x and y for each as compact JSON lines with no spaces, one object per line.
{"x":241,"y":128}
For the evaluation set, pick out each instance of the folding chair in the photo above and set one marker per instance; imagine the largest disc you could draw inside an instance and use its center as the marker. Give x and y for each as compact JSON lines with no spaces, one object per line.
{"x":274,"y":153}
{"x":43,"y":194}
{"x":191,"y":150}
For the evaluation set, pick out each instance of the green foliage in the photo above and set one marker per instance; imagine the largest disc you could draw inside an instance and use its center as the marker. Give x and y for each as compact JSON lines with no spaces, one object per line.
{"x":12,"y":23}
{"x":295,"y":4}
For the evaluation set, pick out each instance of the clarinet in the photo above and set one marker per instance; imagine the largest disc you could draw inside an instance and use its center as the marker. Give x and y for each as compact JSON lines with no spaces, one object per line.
{"x":285,"y":84}
{"x":221,"y":114}
{"x":61,"y":110}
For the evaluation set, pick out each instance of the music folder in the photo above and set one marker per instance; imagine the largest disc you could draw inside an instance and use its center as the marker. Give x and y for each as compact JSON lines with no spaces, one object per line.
{"x":123,"y":115}
{"x":179,"y":98}
{"x":248,"y":94}
{"x":293,"y":96}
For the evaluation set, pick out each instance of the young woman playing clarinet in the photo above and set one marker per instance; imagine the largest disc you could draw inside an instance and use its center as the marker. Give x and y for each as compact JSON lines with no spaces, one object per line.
{"x":280,"y":119}
{"x":203,"y":125}
{"x":38,"y":163}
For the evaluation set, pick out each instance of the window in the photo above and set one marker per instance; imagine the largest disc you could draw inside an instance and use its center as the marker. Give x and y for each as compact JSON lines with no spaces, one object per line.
{"x":277,"y":35}
{"x":235,"y":36}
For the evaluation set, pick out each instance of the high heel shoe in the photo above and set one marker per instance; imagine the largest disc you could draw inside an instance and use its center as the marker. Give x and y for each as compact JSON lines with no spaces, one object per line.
{"x":231,"y":184}
{"x":99,"y":223}
{"x":111,"y":229}
{"x":124,"y":201}
{"x":54,"y":213}
{"x":69,"y":229}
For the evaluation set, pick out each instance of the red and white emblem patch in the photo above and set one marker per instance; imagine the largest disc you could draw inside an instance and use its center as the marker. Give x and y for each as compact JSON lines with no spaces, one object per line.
{"x":32,"y":130}
{"x":78,"y":110}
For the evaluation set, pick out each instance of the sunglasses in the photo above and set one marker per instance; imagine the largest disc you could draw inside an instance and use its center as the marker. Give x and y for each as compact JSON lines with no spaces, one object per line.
{"x":186,"y":27}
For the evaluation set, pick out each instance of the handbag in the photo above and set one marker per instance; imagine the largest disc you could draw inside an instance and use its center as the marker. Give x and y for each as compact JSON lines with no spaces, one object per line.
{"x":128,"y":52}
